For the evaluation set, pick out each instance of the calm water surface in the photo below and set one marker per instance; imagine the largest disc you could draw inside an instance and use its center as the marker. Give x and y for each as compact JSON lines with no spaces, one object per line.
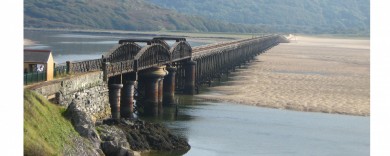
{"x":76,"y":46}
{"x":221,"y":128}
{"x":218,"y":128}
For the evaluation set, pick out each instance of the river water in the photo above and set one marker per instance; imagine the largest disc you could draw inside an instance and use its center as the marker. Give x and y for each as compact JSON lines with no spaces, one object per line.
{"x":76,"y":46}
{"x":220,"y":128}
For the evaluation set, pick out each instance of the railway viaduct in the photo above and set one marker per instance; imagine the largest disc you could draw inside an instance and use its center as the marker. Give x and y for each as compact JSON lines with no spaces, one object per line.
{"x":150,"y":74}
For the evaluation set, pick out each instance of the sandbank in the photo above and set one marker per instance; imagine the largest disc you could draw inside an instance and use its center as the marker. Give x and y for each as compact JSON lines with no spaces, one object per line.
{"x":329,"y":75}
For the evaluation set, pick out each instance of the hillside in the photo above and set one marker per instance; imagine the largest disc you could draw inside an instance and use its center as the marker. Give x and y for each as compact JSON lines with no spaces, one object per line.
{"x":244,"y":16}
{"x":302,"y":16}
{"x":46,"y":131}
{"x":119,"y":15}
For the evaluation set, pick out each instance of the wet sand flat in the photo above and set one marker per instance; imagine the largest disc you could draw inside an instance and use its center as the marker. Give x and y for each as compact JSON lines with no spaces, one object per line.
{"x":309,"y":74}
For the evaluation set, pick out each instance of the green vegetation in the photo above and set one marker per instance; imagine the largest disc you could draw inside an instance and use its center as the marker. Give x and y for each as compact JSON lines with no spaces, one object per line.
{"x":46,"y":131}
{"x":119,"y":15}
{"x":295,"y":16}
{"x":242,"y":16}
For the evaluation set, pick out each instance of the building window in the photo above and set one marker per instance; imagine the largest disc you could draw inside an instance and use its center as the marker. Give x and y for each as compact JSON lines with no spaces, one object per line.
{"x":37,"y":67}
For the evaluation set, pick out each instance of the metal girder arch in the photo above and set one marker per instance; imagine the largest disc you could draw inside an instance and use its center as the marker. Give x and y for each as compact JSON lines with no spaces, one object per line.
{"x":122,"y":52}
{"x":162,"y":42}
{"x":152,"y":55}
{"x":180,"y":50}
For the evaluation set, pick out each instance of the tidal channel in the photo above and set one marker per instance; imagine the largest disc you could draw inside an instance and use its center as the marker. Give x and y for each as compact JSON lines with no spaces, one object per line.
{"x":221,"y":128}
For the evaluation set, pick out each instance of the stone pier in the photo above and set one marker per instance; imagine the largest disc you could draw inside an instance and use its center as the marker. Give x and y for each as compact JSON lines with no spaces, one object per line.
{"x":127,"y":106}
{"x":151,"y":79}
{"x":115,"y":99}
{"x":189,"y":86}
{"x":169,"y":86}
{"x":160,"y":94}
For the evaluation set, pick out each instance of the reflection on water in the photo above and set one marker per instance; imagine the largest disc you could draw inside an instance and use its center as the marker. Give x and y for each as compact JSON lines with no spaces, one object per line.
{"x":221,"y":128}
{"x":218,"y":128}
{"x":76,"y":46}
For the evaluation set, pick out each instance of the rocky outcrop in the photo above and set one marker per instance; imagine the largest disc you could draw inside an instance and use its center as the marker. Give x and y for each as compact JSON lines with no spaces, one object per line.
{"x":83,"y":123}
{"x":121,"y":137}
{"x":114,"y":141}
{"x":143,"y":136}
{"x":81,"y":146}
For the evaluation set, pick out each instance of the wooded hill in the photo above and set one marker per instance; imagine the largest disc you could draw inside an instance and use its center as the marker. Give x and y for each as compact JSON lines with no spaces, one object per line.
{"x":298,"y":16}
{"x":308,"y":16}
{"x":118,"y":15}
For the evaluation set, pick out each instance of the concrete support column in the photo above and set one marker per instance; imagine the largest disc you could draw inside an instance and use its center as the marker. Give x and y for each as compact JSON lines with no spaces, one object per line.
{"x":169,"y":86}
{"x":160,"y":94}
{"x":151,"y":78}
{"x":189,"y":85}
{"x":160,"y":90}
{"x":127,"y":106}
{"x":115,"y":99}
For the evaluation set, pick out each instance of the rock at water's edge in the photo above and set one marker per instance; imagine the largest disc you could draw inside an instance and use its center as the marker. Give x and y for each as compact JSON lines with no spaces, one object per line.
{"x":143,"y":136}
{"x":114,"y":141}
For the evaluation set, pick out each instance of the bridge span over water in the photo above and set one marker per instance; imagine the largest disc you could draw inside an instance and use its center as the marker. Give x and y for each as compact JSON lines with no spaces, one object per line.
{"x":151,"y":74}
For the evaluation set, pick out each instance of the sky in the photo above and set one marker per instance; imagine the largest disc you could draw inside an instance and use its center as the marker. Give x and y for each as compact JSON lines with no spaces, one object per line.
{"x":11,"y":107}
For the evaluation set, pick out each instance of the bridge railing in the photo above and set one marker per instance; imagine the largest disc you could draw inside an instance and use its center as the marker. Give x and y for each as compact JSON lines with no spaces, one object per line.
{"x":60,"y":70}
{"x":215,"y":47}
{"x":215,"y":59}
{"x":117,"y":68}
{"x":84,"y":66}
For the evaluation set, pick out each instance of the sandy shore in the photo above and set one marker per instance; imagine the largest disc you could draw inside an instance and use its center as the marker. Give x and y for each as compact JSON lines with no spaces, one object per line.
{"x":308,"y":74}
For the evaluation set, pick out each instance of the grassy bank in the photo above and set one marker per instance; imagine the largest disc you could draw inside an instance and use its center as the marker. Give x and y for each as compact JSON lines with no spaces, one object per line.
{"x":46,"y":131}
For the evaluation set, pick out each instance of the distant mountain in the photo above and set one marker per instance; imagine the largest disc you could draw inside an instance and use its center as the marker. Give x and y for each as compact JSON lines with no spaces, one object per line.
{"x":245,"y":16}
{"x":119,"y":15}
{"x":304,"y":16}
